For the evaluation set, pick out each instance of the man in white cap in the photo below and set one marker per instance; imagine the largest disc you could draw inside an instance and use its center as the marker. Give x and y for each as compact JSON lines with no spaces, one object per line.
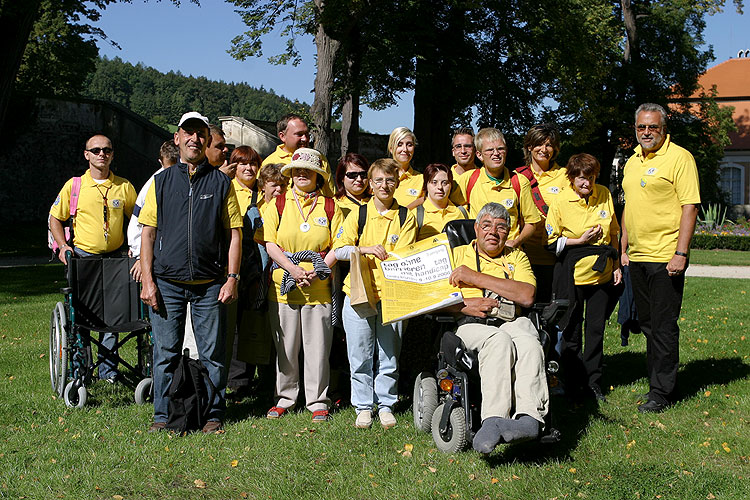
{"x":191,"y":209}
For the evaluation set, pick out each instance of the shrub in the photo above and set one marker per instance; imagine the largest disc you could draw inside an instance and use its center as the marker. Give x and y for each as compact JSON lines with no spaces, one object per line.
{"x":710,"y":241}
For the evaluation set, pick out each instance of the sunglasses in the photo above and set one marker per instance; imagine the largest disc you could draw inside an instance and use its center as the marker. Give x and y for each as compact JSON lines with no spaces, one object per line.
{"x":353,"y":175}
{"x":96,"y":151}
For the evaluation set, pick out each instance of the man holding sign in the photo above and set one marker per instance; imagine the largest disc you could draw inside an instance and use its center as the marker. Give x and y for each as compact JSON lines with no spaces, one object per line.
{"x":494,"y":280}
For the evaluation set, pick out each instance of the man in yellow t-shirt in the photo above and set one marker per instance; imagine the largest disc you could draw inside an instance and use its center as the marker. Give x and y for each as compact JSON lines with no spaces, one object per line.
{"x":294,"y":134}
{"x":463,"y":150}
{"x":662,"y":195}
{"x":104,"y":201}
{"x":191,"y":210}
{"x":492,"y":184}
{"x":515,"y":396}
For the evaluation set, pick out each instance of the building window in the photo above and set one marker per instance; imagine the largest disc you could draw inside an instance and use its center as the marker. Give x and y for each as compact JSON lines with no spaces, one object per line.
{"x":731,"y":183}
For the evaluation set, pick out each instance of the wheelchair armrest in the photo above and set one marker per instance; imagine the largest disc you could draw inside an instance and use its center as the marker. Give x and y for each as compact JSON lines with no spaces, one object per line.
{"x":552,"y":312}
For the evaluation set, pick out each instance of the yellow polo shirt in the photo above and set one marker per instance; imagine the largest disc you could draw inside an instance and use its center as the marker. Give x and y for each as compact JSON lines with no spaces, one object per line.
{"x":436,"y":218}
{"x":409,"y":187}
{"x":656,"y":187}
{"x":290,"y":238}
{"x":347,"y":204}
{"x":471,"y":168}
{"x":380,"y":229}
{"x":550,"y":183}
{"x":245,"y":196}
{"x":88,"y":224}
{"x":570,"y":216}
{"x":280,"y":155}
{"x":511,"y":261}
{"x":485,"y":190}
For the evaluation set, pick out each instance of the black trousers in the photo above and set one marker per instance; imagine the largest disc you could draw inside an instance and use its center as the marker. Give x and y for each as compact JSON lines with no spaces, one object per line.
{"x":582,"y":354}
{"x":658,"y":299}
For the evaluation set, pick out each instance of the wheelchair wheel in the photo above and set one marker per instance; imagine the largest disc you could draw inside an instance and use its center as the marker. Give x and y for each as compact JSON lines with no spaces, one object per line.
{"x":144,"y":391}
{"x":58,"y":349}
{"x":455,"y":439}
{"x":75,"y":395}
{"x":425,"y":401}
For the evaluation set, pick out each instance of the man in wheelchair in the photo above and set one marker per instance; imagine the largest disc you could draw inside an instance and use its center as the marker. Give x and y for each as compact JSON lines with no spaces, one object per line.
{"x":495,"y":281}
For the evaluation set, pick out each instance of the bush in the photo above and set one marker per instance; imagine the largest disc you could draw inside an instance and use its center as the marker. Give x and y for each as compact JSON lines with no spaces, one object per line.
{"x":726,"y":241}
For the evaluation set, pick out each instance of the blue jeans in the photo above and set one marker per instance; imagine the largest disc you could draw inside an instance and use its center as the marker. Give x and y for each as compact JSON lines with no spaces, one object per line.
{"x":209,"y":326}
{"x":372,"y":384}
{"x":107,"y":368}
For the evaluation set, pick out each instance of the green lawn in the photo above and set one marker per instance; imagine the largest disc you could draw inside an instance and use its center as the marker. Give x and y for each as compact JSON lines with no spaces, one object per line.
{"x":719,"y":257}
{"x":697,"y":450}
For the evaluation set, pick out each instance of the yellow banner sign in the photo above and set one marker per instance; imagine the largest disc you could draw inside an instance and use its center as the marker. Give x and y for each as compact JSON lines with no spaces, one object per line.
{"x":416,"y":280}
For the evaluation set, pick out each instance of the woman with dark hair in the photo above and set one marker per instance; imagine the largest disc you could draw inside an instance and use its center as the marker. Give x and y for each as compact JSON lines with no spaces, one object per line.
{"x":582,"y":227}
{"x":436,"y":210}
{"x":540,"y":149}
{"x":351,"y":182}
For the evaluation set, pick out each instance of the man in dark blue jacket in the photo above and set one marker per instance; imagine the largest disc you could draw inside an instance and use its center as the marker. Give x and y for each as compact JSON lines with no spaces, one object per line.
{"x":190,"y":252}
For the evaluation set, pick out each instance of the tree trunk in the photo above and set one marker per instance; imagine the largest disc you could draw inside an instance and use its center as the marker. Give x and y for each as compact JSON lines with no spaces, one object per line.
{"x":350,"y":109}
{"x":322,"y":104}
{"x":16,"y":21}
{"x":433,"y":109}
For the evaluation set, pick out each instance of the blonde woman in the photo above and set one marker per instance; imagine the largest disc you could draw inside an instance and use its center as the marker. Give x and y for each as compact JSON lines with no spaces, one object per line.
{"x":401,"y":145}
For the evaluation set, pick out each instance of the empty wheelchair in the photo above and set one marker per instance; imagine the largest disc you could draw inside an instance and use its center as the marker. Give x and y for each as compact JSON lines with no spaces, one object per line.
{"x":447,"y":402}
{"x":101,"y":297}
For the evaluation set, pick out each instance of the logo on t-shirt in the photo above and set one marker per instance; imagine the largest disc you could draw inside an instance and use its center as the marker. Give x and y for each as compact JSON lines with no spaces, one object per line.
{"x":511,"y":267}
{"x":643,"y":183}
{"x":508,"y":203}
{"x":393,"y":239}
{"x":651,"y":171}
{"x":57,"y":201}
{"x":116,"y":204}
{"x":321,"y":221}
{"x":550,"y":229}
{"x":603,"y":214}
{"x":413,"y":192}
{"x":341,"y":231}
{"x":553,"y":189}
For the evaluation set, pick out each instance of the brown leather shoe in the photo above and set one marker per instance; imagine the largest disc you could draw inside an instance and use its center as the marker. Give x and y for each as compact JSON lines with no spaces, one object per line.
{"x":213,"y":426}
{"x":157,"y":426}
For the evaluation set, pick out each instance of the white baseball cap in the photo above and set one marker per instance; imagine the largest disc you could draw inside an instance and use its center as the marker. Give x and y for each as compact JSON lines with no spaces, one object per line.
{"x":192,"y":115}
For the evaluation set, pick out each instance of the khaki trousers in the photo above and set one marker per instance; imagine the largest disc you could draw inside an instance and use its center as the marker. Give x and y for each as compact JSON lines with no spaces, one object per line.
{"x":512,"y":368}
{"x":307,"y":326}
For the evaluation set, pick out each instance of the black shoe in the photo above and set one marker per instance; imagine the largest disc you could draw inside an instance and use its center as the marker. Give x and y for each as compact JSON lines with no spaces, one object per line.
{"x":652,"y":406}
{"x":597,"y":392}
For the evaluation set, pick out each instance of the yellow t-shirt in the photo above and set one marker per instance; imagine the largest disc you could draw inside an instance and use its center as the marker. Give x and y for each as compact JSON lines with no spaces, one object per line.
{"x":88,"y":224}
{"x":551,"y":182}
{"x":347,"y":204}
{"x":571,"y":216}
{"x":656,"y":187}
{"x":245,"y":196}
{"x":289,"y":236}
{"x":282,"y":156}
{"x":486,"y":190}
{"x":380,"y":229}
{"x":511,"y":261}
{"x":409,"y":187}
{"x":436,"y":218}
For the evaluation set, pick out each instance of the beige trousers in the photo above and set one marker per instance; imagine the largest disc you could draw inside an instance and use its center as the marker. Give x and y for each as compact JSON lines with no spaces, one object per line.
{"x":307,"y":326}
{"x":512,"y":368}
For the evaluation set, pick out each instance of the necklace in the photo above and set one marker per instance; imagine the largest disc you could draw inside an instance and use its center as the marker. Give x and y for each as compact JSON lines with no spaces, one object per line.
{"x":305,"y":226}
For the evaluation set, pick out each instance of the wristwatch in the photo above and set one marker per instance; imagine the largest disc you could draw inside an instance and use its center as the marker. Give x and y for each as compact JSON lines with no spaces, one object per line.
{"x":681,"y":254}
{"x":234,"y":275}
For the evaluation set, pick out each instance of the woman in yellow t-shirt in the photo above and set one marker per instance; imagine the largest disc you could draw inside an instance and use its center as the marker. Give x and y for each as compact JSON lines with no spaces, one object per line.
{"x":582,"y":227}
{"x":401,"y":145}
{"x":351,"y":182}
{"x":436,"y":210}
{"x":298,"y":233}
{"x":388,"y":226}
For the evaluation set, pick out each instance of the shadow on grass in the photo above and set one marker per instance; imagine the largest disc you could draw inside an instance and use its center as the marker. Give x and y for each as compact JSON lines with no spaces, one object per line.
{"x":696,"y":375}
{"x":624,"y":368}
{"x":32,"y":280}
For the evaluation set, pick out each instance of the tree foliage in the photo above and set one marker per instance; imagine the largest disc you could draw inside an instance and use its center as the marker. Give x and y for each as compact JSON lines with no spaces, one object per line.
{"x":163,"y":98}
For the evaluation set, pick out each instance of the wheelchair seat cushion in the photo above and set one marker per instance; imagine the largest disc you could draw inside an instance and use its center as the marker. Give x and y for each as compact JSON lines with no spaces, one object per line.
{"x":457,"y":355}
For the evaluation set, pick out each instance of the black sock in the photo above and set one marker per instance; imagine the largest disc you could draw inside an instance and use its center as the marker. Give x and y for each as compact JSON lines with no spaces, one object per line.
{"x":489,"y":435}
{"x":523,"y":428}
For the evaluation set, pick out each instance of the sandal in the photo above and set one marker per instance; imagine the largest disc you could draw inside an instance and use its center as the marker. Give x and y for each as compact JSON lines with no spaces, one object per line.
{"x":276,"y":412}
{"x":320,"y":416}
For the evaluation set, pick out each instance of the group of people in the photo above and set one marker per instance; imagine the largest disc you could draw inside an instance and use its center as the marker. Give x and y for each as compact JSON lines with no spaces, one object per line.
{"x":279,"y":235}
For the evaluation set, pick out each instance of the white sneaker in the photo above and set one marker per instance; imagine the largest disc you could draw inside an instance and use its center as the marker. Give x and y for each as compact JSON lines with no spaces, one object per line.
{"x":387,"y":420}
{"x":364,"y":420}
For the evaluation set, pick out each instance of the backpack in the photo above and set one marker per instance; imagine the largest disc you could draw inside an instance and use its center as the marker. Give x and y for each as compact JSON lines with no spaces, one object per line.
{"x":536,"y":194}
{"x":68,"y":224}
{"x":190,"y":395}
{"x":362,"y":218}
{"x":251,"y":262}
{"x":420,"y":215}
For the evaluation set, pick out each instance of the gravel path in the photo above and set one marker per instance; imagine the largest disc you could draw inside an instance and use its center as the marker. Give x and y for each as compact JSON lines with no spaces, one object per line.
{"x":719,"y":271}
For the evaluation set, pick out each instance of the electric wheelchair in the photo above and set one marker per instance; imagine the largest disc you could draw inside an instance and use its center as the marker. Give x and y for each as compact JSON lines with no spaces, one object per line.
{"x":101,"y":296}
{"x":447,"y":402}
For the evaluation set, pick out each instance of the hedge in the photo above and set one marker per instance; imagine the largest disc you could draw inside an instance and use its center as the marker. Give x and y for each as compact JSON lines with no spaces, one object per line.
{"x":726,"y":242}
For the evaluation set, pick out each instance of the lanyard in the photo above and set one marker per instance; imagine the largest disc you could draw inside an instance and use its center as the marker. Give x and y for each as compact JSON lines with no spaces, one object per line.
{"x":106,"y":215}
{"x":304,"y":227}
{"x":479,"y":270}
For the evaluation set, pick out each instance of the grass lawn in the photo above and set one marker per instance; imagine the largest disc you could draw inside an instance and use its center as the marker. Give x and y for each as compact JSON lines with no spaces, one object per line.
{"x":719,"y":257}
{"x":699,"y":449}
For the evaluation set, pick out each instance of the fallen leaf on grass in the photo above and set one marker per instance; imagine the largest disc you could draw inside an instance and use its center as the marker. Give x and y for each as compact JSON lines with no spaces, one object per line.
{"x":494,"y":480}
{"x":726,"y":447}
{"x":710,"y":496}
{"x":118,"y":497}
{"x":243,"y":495}
{"x":572,"y":470}
{"x":409,"y":447}
{"x":707,"y":393}
{"x":234,"y":463}
{"x":199,"y":484}
{"x":472,"y":477}
{"x":630,"y":444}
{"x":432,"y":469}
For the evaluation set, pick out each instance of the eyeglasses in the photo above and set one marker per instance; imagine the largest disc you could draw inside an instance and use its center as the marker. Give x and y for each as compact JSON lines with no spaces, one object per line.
{"x":353,"y":175}
{"x":651,"y":128}
{"x":500,"y":227}
{"x":493,"y":151}
{"x":390,"y":181}
{"x":96,"y":151}
{"x":457,"y":147}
